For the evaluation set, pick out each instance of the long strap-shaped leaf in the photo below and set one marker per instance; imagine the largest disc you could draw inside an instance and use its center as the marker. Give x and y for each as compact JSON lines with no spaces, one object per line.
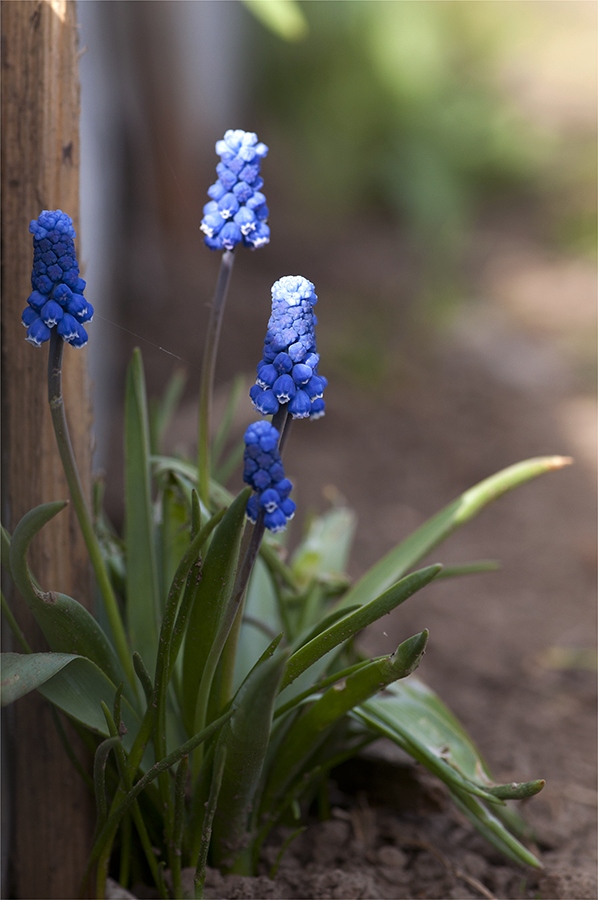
{"x":355,"y":621}
{"x":311,"y":726}
{"x":67,"y":626}
{"x":493,"y":829}
{"x":142,"y":577}
{"x":24,"y":672}
{"x":399,"y":560}
{"x":414,"y":717}
{"x":212,"y":594}
{"x":245,"y":740}
{"x":72,"y":683}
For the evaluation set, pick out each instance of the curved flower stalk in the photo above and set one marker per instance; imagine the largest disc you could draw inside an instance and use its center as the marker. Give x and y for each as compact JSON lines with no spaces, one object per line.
{"x":237,"y":210}
{"x":236,"y":214}
{"x":57,"y":299}
{"x":55,"y":310}
{"x":288,"y":370}
{"x":263,"y":470}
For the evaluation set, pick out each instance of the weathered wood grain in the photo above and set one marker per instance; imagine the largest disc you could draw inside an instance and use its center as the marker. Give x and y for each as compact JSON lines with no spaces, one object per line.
{"x":52,"y":815}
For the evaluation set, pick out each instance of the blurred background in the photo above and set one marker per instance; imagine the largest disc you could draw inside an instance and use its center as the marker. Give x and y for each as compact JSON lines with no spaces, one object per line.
{"x":432,"y":170}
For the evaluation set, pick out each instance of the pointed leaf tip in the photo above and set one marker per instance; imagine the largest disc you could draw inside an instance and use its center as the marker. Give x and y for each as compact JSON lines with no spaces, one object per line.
{"x":517,"y":791}
{"x":408,"y":655}
{"x":559,"y":462}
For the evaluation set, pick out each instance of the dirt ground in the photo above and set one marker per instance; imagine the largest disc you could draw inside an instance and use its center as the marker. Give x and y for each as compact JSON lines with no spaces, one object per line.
{"x":415,"y":416}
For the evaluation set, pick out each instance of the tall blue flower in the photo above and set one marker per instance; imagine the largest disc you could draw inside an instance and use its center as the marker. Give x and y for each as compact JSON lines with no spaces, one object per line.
{"x":237,"y":210}
{"x":288,"y":370}
{"x":263,"y":470}
{"x":57,"y":299}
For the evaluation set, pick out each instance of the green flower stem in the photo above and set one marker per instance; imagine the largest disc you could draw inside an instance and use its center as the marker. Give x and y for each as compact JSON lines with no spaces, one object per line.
{"x":249,"y":551}
{"x":229,"y":653}
{"x":207,"y":375}
{"x":282,"y":422}
{"x":227,"y":636}
{"x":284,"y":427}
{"x":69,"y":465}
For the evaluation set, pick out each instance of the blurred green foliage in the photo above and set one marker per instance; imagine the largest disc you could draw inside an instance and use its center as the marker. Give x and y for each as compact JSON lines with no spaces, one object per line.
{"x":394,"y":108}
{"x":283,"y":17}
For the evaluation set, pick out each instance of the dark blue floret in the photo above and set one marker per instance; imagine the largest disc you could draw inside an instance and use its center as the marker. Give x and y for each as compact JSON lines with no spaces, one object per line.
{"x":57,"y":299}
{"x":288,"y":370}
{"x":263,"y":470}
{"x":237,"y":212}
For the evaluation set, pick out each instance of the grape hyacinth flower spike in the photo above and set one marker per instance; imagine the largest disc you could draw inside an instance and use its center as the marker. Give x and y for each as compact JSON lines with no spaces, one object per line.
{"x":237,"y":210}
{"x":263,"y":470}
{"x":288,"y":370}
{"x":57,"y":299}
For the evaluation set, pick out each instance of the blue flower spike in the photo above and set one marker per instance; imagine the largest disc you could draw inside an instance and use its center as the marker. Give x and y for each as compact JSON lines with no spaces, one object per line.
{"x":288,"y":370}
{"x":57,"y":299}
{"x":263,"y":470}
{"x":237,"y":210}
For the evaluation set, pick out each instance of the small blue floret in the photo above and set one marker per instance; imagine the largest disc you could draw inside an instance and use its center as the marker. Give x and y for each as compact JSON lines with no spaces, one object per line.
{"x":238,"y":212}
{"x":57,"y":299}
{"x":263,"y":470}
{"x":288,"y":370}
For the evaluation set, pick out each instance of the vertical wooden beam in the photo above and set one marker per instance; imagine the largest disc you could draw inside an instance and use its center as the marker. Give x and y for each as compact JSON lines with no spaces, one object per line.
{"x":52,"y":815}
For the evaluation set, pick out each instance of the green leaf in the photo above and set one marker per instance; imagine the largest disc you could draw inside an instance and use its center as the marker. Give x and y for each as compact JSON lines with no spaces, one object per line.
{"x":414,"y":717}
{"x":244,"y":739}
{"x":230,"y":463}
{"x":325,"y":549}
{"x":322,"y":626}
{"x":218,"y":494}
{"x":310,"y":728}
{"x":431,"y":533}
{"x":418,"y":716}
{"x":493,"y":829}
{"x":67,"y":626}
{"x":174,"y":533}
{"x":162,"y":411}
{"x":283,"y":17}
{"x":142,"y":607}
{"x":350,"y":624}
{"x":212,"y":594}
{"x":72,"y":683}
{"x":223,"y":432}
{"x":24,"y":672}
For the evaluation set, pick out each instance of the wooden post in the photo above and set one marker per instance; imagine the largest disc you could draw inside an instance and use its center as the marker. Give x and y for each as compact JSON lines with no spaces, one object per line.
{"x":51,"y":808}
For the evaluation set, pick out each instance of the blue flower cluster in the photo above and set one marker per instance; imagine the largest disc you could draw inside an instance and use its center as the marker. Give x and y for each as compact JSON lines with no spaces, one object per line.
{"x":263,"y":470}
{"x":237,"y":210}
{"x":57,"y":298}
{"x":288,"y":370}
